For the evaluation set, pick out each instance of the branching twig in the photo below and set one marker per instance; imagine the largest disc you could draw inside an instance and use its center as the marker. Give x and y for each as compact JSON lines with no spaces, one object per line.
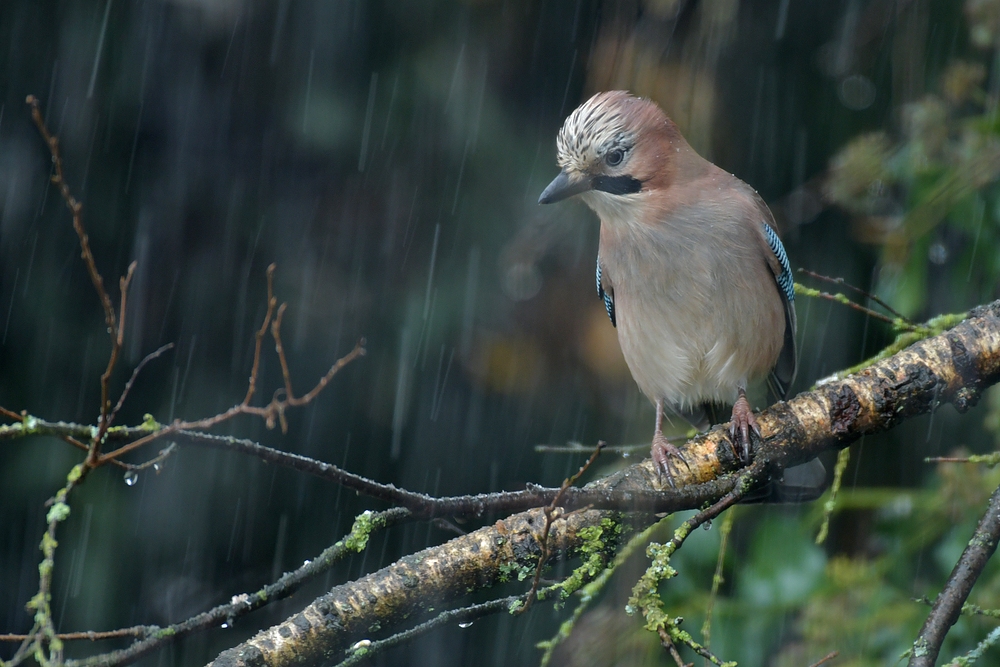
{"x":115,"y":324}
{"x":447,"y":526}
{"x":275,"y":410}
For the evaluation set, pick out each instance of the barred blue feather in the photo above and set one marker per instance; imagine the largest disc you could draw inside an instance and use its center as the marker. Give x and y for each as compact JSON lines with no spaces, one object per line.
{"x":609,"y":304}
{"x":785,"y":281}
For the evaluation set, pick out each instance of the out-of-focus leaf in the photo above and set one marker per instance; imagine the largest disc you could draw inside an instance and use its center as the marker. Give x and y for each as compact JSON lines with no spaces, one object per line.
{"x":784,"y":564}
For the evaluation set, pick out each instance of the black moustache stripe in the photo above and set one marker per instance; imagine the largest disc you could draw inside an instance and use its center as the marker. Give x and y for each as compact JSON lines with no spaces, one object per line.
{"x":617,"y":185}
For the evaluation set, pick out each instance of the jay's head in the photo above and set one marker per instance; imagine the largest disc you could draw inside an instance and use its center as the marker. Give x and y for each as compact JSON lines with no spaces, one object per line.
{"x":614,"y":146}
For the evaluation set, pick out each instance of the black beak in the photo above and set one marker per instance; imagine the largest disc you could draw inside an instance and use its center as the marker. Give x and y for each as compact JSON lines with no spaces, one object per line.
{"x":563,"y":186}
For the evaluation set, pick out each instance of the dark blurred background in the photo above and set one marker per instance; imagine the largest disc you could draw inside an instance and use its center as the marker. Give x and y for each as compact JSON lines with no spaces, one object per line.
{"x":388,"y":158}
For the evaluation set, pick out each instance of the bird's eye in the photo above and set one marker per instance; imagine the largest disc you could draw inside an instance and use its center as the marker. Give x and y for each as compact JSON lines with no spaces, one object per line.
{"x":614,"y":157}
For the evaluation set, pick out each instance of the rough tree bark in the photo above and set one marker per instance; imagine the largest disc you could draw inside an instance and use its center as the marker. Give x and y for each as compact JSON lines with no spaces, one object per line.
{"x":954,"y":367}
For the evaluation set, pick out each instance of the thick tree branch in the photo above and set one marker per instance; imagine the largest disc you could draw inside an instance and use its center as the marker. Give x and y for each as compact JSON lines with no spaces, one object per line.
{"x":410,"y":588}
{"x":954,"y":367}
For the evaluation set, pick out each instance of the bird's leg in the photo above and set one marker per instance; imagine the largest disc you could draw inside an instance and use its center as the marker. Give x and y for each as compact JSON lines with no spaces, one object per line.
{"x":663,"y":451}
{"x":739,"y":428}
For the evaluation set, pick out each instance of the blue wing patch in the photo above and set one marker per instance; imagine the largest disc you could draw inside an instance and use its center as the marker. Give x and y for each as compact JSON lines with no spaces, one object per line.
{"x":609,"y":304}
{"x":785,"y":281}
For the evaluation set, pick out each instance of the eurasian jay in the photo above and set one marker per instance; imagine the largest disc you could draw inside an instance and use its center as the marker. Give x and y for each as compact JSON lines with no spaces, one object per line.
{"x":690,"y":267}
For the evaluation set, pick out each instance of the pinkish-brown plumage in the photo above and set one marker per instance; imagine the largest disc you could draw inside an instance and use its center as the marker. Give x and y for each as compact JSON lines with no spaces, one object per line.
{"x":692,"y":272}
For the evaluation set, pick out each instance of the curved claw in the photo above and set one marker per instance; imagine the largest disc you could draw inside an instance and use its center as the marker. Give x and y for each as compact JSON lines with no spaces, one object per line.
{"x":664,"y":453}
{"x":742,"y":423}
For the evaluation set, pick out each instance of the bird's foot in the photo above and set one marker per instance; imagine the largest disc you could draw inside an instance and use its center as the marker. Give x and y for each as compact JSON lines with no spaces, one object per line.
{"x":742,"y":423}
{"x":664,"y":456}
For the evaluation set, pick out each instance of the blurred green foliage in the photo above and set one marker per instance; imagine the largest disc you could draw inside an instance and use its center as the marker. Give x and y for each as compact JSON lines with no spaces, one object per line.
{"x":930,"y":192}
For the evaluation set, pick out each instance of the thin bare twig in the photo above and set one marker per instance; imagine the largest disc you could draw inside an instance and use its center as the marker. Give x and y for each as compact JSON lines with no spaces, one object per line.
{"x":272,"y":301}
{"x":290,"y":398}
{"x":135,"y":373}
{"x":551,"y":514}
{"x":117,"y":339}
{"x":668,"y":643}
{"x":164,"y":454}
{"x":10,"y":414}
{"x":825,"y":659}
{"x":75,"y":208}
{"x":844,"y":301}
{"x":856,"y":290}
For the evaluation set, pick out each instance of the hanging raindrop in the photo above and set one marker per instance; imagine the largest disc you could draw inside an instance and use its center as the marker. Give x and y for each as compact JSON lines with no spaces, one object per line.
{"x":131,"y":477}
